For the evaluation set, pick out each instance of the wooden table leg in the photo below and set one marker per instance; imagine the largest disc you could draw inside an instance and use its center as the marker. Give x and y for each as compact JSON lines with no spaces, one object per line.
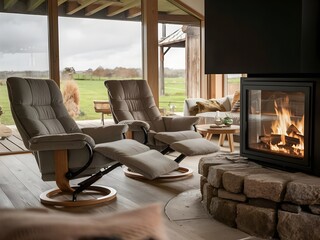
{"x":222,"y":138}
{"x":208,"y":136}
{"x":230,"y":139}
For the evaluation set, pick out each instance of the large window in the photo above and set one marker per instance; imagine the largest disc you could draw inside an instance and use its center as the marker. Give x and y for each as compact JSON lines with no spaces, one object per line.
{"x":94,"y":50}
{"x":23,"y":50}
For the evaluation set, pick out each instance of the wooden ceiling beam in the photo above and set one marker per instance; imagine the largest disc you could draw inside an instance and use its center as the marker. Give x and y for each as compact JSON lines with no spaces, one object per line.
{"x":61,"y":2}
{"x":33,"y":4}
{"x":112,"y":11}
{"x":73,"y":8}
{"x":186,"y":8}
{"x":9,"y":3}
{"x":134,"y":12}
{"x":92,"y":9}
{"x":178,"y":19}
{"x":177,"y":11}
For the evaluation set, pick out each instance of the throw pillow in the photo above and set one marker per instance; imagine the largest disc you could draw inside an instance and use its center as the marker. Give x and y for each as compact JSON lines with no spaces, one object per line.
{"x":210,"y":106}
{"x":236,"y":98}
{"x":236,"y":107}
{"x":145,"y":223}
{"x":194,"y":110}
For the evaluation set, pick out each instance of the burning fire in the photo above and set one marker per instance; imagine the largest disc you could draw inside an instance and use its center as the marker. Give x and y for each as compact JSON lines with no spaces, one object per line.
{"x":287,"y":135}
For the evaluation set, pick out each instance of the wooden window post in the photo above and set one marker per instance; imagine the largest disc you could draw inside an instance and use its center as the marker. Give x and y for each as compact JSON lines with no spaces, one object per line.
{"x":53,"y":41}
{"x":150,"y":45}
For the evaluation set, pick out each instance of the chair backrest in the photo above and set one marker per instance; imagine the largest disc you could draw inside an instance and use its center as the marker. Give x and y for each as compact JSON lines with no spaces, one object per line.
{"x":37,"y":108}
{"x":133,"y":100}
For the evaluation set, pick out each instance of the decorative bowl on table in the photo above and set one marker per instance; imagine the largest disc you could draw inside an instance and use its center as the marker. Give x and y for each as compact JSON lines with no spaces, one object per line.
{"x":228,"y":121}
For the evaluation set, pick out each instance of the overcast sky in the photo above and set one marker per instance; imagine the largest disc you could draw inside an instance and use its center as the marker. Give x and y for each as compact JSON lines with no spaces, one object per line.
{"x":84,"y":43}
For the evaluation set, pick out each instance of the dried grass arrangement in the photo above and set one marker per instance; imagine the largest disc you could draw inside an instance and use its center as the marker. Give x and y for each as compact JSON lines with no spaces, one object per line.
{"x":71,"y":98}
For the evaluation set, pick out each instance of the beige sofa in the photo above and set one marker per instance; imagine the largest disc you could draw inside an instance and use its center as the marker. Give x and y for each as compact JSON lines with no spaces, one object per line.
{"x":209,"y":117}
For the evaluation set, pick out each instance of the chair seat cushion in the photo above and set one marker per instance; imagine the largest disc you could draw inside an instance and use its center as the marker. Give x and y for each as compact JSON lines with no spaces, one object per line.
{"x":118,"y":149}
{"x":150,"y":164}
{"x":171,"y":137}
{"x":193,"y":147}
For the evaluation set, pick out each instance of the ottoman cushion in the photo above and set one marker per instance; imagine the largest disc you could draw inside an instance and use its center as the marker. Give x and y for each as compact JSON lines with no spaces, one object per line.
{"x":150,"y":164}
{"x":191,"y":147}
{"x":171,"y":137}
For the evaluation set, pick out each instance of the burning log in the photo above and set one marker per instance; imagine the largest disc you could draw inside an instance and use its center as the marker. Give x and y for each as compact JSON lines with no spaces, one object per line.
{"x":265,"y":139}
{"x":293,"y":130}
{"x":300,"y":136}
{"x":292,"y":141}
{"x":288,"y":141}
{"x":276,"y":139}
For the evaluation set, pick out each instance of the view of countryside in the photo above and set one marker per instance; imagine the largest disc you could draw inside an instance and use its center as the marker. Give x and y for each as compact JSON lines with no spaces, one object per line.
{"x":91,"y":51}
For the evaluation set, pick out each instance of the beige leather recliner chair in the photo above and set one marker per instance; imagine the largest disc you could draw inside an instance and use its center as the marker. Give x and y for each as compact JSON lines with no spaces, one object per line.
{"x":63,"y":151}
{"x":132,"y":103}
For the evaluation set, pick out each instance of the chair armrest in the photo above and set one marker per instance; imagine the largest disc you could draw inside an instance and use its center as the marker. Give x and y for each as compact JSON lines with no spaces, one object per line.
{"x":106,"y":133}
{"x":60,"y":141}
{"x":180,"y":123}
{"x":136,"y":125}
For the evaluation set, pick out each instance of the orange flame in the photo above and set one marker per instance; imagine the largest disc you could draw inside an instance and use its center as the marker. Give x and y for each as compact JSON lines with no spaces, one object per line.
{"x":280,"y":127}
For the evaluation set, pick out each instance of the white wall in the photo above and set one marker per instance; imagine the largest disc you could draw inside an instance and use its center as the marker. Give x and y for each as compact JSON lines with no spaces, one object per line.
{"x":197,"y":5}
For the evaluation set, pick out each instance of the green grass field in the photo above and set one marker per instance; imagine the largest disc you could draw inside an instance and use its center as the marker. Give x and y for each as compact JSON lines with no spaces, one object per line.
{"x":95,"y":90}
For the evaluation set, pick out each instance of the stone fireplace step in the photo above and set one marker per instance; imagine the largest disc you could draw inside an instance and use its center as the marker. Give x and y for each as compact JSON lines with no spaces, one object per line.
{"x":260,"y":201}
{"x":187,"y":211}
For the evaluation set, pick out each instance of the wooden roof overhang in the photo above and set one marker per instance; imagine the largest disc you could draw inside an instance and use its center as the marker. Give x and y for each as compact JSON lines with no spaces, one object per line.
{"x":128,"y":10}
{"x":175,"y":39}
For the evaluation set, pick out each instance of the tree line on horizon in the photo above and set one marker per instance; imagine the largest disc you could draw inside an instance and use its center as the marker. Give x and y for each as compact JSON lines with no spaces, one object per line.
{"x":122,"y":72}
{"x":68,"y":72}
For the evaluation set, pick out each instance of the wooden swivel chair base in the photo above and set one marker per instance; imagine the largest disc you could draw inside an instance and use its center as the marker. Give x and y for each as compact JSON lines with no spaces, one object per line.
{"x":66,"y":196}
{"x":180,"y":173}
{"x":53,"y":196}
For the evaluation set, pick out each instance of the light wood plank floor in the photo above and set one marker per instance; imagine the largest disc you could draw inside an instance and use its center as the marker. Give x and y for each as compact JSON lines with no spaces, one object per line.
{"x":12,"y":144}
{"x":21,"y":185}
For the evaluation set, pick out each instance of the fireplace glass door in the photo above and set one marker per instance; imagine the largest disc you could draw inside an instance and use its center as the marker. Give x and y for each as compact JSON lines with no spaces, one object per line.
{"x":276,"y":122}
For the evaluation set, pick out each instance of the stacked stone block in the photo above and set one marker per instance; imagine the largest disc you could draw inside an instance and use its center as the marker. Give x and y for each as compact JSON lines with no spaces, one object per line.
{"x":260,"y":201}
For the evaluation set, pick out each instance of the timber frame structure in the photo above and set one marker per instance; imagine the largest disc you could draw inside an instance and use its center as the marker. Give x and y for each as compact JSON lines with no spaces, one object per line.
{"x":149,"y":12}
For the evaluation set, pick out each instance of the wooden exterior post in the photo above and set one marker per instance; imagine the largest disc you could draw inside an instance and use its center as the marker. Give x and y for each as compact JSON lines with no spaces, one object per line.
{"x":150,"y":45}
{"x":53,"y":41}
{"x":161,"y":73}
{"x":193,"y":62}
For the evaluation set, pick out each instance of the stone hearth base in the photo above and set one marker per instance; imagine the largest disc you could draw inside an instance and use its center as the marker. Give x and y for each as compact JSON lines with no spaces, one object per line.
{"x":260,"y":201}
